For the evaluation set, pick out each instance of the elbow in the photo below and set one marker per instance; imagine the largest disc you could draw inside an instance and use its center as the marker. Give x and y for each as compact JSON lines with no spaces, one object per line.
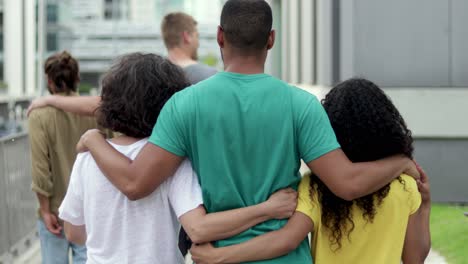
{"x":197,"y":239}
{"x":349,"y":188}
{"x":197,"y":234}
{"x":414,"y":260}
{"x":347,"y":193}
{"x":133,"y":192}
{"x":426,"y":251}
{"x":417,"y":256}
{"x":137,"y":188}
{"x":133,"y":196}
{"x":351,"y":195}
{"x":287,"y":246}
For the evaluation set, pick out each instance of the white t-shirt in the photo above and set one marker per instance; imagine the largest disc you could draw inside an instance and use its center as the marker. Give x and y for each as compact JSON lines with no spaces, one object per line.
{"x":123,"y":231}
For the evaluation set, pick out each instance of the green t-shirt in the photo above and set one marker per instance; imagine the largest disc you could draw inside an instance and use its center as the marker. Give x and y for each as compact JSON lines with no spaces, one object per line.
{"x":245,"y":136}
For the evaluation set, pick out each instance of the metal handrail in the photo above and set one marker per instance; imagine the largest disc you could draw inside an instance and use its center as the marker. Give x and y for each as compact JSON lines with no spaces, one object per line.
{"x":13,"y":136}
{"x":17,"y":202}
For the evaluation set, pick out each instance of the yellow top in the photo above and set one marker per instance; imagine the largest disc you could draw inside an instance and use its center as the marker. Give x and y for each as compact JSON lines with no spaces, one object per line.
{"x":378,"y":242}
{"x":53,"y":135}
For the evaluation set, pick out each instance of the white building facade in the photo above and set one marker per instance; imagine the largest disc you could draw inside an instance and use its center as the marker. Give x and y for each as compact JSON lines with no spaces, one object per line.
{"x":95,"y":32}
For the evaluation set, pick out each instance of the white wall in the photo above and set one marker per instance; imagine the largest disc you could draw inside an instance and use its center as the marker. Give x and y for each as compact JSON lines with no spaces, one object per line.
{"x":19,"y":47}
{"x":143,"y":12}
{"x":429,"y":113}
{"x":13,"y":52}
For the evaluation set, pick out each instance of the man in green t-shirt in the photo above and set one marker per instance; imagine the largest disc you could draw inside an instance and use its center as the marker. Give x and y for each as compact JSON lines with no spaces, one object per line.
{"x":245,"y":133}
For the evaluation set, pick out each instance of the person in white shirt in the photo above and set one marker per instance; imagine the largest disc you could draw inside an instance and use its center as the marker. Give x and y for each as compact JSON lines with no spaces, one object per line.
{"x":118,"y":230}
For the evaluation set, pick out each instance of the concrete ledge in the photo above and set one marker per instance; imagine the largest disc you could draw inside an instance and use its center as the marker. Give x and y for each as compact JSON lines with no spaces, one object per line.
{"x":6,"y":99}
{"x":27,"y":248}
{"x":429,"y":112}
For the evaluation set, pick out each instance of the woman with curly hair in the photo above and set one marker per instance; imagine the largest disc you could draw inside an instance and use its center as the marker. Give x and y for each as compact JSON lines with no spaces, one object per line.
{"x":387,"y":226}
{"x":119,"y":230}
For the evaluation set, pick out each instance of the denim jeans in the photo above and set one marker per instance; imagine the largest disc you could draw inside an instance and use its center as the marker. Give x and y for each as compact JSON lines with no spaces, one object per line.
{"x":54,"y":249}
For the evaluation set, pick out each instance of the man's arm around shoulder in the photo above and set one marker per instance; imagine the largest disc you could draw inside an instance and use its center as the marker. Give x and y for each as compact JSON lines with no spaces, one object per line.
{"x":82,"y":105}
{"x":350,"y":180}
{"x":138,"y":178}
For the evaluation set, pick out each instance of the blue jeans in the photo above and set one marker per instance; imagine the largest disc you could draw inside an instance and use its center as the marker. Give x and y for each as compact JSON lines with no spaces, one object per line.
{"x":54,"y":249}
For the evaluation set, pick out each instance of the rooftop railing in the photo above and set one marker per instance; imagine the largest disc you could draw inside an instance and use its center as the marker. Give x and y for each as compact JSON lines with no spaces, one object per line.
{"x":17,"y":202}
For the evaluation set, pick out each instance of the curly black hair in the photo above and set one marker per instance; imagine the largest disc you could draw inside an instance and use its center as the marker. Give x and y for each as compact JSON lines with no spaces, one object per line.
{"x":134,"y":91}
{"x":368,"y":127}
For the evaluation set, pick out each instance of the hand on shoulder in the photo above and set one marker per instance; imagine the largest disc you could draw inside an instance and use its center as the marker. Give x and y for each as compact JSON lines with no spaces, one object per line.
{"x":89,"y":138}
{"x":39,"y":103}
{"x":423,"y":186}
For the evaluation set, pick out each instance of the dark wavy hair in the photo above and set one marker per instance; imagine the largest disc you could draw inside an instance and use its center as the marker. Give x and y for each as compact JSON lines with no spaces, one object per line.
{"x":63,"y":70}
{"x":368,"y":127}
{"x":134,"y":91}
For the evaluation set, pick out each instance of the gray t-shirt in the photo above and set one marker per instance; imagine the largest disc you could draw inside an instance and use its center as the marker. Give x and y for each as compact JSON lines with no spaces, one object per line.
{"x":198,"y":72}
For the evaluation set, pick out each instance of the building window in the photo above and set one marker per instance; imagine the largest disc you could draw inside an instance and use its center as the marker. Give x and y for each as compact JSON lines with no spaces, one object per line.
{"x":112,"y":9}
{"x":1,"y":41}
{"x":1,"y":33}
{"x":52,"y":41}
{"x":1,"y":49}
{"x":1,"y":75}
{"x":52,"y":13}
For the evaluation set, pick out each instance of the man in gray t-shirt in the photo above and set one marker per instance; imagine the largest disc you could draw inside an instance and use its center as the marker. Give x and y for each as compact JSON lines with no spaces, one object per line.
{"x":180,"y":35}
{"x":198,"y":72}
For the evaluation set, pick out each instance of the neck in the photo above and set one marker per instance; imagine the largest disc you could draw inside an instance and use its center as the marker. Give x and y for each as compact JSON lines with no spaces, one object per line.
{"x":245,"y":64}
{"x":180,"y":57}
{"x":124,"y":140}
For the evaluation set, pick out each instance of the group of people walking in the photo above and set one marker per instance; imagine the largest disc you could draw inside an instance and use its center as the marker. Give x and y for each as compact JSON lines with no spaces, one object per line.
{"x":219,"y":153}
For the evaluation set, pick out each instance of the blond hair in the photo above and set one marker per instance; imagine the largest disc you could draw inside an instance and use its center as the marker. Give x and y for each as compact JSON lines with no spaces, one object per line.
{"x":173,"y":25}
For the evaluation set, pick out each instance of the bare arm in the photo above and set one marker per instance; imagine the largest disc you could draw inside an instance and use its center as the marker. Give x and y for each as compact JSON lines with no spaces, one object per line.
{"x":417,"y":239}
{"x":350,"y":180}
{"x":82,"y":105}
{"x":202,"y":227}
{"x":138,"y":178}
{"x":267,"y":246}
{"x":418,"y":236}
{"x":50,"y":219}
{"x":75,"y":234}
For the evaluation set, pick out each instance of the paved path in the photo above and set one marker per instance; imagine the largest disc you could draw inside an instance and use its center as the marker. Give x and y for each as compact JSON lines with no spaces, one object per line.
{"x":435,"y":258}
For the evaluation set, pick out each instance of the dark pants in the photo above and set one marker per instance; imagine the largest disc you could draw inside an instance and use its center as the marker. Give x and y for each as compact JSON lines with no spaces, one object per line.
{"x":184,"y":242}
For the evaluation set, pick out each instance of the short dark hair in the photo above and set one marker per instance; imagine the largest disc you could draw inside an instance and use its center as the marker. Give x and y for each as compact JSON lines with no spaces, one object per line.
{"x":173,"y":25}
{"x":247,"y":24}
{"x":63,"y":70}
{"x":135,"y":90}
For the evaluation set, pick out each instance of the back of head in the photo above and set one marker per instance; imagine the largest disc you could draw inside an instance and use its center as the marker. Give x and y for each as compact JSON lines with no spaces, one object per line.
{"x":368,"y":127}
{"x":63,"y":71}
{"x":173,"y":25}
{"x":135,"y":90}
{"x":367,"y":124}
{"x":246,"y":24}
